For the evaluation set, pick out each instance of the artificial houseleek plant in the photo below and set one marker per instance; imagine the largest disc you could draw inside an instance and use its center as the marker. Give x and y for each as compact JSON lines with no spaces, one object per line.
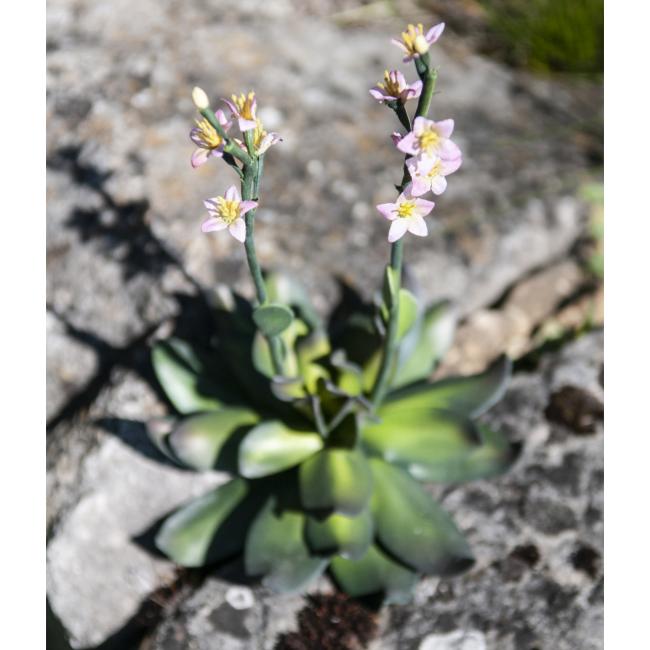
{"x":328,"y":432}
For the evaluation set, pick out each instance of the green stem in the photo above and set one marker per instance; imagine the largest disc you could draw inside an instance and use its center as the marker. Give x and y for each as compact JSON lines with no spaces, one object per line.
{"x":391,"y":346}
{"x":250,"y":184}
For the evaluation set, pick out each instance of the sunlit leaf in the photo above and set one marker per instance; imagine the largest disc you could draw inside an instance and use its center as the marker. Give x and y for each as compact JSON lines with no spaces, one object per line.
{"x":346,"y":536}
{"x":210,"y":440}
{"x":273,"y":318}
{"x":412,"y":526}
{"x":271,"y":447}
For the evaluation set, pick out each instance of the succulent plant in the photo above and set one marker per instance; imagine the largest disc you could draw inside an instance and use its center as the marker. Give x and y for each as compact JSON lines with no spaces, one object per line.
{"x":328,"y":431}
{"x":318,"y":479}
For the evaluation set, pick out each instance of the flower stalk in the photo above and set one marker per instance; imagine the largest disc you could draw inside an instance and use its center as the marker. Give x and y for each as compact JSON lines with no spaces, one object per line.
{"x":428,"y":78}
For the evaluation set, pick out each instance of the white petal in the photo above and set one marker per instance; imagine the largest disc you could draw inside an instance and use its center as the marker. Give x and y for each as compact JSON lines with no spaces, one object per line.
{"x":397,"y":229}
{"x":238,"y":229}
{"x":418,"y":226}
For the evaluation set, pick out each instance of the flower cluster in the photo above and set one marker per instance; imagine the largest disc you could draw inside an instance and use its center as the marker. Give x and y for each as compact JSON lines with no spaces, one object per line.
{"x":212,"y":139}
{"x":431,"y":155}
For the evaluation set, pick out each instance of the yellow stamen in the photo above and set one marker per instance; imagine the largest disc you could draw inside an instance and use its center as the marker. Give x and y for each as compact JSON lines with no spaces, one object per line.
{"x":390,"y":85}
{"x":228,"y":209}
{"x":409,"y":36}
{"x":245,"y":105}
{"x":208,"y":134}
{"x":258,"y":134}
{"x":435,"y":170}
{"x":405,"y":209}
{"x":429,"y":140}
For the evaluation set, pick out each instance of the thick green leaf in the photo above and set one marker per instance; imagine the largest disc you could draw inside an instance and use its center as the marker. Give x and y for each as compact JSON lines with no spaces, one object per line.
{"x":425,"y":344}
{"x":287,"y":290}
{"x":181,"y":373}
{"x":412,"y":526}
{"x":272,"y":319}
{"x":207,"y":529}
{"x":262,"y":354}
{"x":276,"y":549}
{"x":408,"y":312}
{"x":469,"y":396}
{"x":492,"y":457}
{"x":374,"y":573}
{"x":336,"y":479}
{"x":210,"y":440}
{"x":437,"y":445}
{"x":272,"y":446}
{"x":349,"y":537}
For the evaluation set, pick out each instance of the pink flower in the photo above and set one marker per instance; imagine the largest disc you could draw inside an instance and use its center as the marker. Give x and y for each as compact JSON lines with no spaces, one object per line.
{"x":394,"y":88}
{"x":263,"y":140}
{"x":429,"y":174}
{"x":208,"y":141}
{"x":227,"y":212}
{"x":415,"y":42}
{"x":406,"y":214}
{"x":244,"y":110}
{"x":429,"y":138}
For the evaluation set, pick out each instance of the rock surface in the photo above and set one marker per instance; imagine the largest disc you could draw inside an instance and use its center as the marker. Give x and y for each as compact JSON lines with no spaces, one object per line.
{"x":125,"y":254}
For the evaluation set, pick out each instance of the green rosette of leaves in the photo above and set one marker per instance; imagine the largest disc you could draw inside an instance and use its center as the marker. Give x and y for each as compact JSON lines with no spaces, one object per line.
{"x":320,"y":478}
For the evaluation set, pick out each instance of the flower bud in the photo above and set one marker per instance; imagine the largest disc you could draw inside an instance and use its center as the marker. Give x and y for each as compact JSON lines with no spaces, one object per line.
{"x":421,"y":45}
{"x":200,"y":99}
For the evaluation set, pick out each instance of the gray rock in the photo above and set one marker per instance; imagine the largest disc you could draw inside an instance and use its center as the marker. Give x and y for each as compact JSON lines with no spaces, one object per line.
{"x":70,"y":365}
{"x":105,"y":490}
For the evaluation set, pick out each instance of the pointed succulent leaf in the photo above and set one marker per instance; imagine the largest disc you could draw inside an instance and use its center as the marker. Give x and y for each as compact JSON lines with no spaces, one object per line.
{"x":262,"y":354}
{"x":207,"y":529}
{"x":408,"y":312}
{"x":425,"y":344}
{"x":273,"y":318}
{"x":285,"y":289}
{"x":272,"y":446}
{"x":470,"y":396}
{"x":347,"y":536}
{"x":412,"y":526}
{"x":426,"y":435}
{"x":210,"y":440}
{"x":493,"y":456}
{"x":158,"y":430}
{"x":181,"y":373}
{"x":374,"y":573}
{"x":276,"y":549}
{"x":336,"y":479}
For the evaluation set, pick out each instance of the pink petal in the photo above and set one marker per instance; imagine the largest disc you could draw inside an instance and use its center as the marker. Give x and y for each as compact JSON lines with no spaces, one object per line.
{"x":396,"y":41}
{"x":195,"y":136}
{"x":420,"y":124}
{"x":445,"y":128}
{"x":396,"y":136}
{"x":410,"y":57}
{"x":449,"y":150}
{"x":434,"y":33}
{"x":213,"y":224}
{"x":450,"y":166}
{"x":387,"y":210}
{"x":408,"y":143}
{"x":423,"y":207}
{"x":419,"y":187}
{"x":232,"y":194}
{"x":418,"y":226}
{"x":377,"y":93}
{"x":399,"y":77}
{"x":438,"y":184}
{"x":211,"y":204}
{"x":245,"y":206}
{"x":231,"y":106}
{"x":238,"y":229}
{"x":199,"y":157}
{"x":397,"y":230}
{"x":414,"y":90}
{"x":221,"y":117}
{"x":246,"y":125}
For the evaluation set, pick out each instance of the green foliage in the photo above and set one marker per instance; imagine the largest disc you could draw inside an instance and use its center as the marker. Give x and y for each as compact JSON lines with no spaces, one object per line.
{"x":320,"y":479}
{"x":550,"y":35}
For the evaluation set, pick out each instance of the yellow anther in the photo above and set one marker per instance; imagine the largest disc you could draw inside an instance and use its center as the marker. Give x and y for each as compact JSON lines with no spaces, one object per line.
{"x":405,"y":209}
{"x":228,"y":209}
{"x":429,"y":140}
{"x":208,"y":134}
